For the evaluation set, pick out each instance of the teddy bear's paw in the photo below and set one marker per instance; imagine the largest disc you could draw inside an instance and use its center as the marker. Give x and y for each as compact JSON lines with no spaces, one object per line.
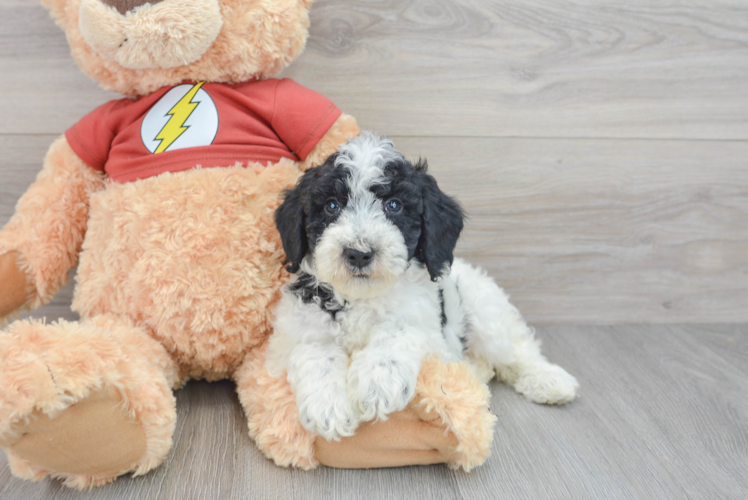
{"x":380,"y":387}
{"x":93,"y":439}
{"x":86,"y":401}
{"x":547,"y":384}
{"x":331,"y":415}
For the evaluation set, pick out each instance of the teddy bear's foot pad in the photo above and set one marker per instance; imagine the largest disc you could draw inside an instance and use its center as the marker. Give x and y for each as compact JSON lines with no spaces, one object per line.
{"x":84,"y":401}
{"x":94,"y":437}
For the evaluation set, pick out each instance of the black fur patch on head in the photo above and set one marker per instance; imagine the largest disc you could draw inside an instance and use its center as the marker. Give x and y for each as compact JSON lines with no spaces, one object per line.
{"x":312,"y":292}
{"x":403,"y":185}
{"x":443,"y":220}
{"x":301,"y":219}
{"x":431,"y":221}
{"x":289,"y":219}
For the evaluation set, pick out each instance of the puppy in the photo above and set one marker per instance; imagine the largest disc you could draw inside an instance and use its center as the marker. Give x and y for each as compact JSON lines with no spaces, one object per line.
{"x":371,"y":237}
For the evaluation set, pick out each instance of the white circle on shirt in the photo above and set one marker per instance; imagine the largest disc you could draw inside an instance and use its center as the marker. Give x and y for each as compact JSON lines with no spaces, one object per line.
{"x":185,"y":117}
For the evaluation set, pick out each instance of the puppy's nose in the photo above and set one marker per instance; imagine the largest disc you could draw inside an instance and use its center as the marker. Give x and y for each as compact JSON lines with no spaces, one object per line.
{"x":123,"y":6}
{"x":357,"y":258}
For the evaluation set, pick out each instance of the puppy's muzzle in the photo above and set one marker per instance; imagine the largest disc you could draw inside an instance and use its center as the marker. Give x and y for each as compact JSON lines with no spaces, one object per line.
{"x":358,"y":259}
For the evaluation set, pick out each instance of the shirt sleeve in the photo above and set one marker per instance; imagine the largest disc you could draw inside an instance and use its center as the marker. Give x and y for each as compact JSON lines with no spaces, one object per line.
{"x":91,"y":138}
{"x":301,"y":117}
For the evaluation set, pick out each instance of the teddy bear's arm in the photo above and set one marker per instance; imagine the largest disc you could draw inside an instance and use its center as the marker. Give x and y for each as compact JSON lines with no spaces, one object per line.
{"x":44,"y":236}
{"x":408,"y":437}
{"x":448,"y":420}
{"x":343,"y":129}
{"x":15,"y":289}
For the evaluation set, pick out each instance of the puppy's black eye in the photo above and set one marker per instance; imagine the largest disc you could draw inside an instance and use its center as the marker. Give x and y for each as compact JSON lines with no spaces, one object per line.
{"x":332,"y":207}
{"x":393,"y":206}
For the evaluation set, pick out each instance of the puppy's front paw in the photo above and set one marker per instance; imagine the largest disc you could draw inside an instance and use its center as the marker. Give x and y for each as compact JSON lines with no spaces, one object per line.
{"x":331,"y":415}
{"x":548,"y":384}
{"x":381,"y":387}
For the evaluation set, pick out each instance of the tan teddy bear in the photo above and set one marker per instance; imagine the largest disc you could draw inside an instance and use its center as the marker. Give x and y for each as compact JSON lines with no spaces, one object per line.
{"x":165,"y":201}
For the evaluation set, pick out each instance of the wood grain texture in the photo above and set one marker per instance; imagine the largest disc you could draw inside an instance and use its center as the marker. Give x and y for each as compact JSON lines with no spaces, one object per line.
{"x":538,"y":68}
{"x":499,"y":68}
{"x":604,"y":231}
{"x":662,"y":414}
{"x":585,"y":230}
{"x":526,"y":111}
{"x":577,"y":231}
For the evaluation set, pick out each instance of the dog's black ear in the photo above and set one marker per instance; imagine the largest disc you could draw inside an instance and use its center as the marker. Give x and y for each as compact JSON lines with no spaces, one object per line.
{"x":442,"y":224}
{"x":290,"y":221}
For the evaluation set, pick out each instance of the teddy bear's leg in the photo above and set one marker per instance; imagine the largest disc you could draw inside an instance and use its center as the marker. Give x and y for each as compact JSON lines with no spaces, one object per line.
{"x":85,"y":402}
{"x":448,"y":420}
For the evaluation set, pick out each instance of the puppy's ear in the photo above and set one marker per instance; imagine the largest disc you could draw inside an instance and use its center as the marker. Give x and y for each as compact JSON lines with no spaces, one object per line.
{"x":290,"y":221}
{"x":441,"y":226}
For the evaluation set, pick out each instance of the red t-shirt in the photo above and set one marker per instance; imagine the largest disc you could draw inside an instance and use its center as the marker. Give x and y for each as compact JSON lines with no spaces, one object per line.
{"x":207,"y":124}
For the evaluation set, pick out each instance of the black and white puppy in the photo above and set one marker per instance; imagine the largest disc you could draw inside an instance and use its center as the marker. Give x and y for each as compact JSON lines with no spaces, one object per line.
{"x":371,"y":237}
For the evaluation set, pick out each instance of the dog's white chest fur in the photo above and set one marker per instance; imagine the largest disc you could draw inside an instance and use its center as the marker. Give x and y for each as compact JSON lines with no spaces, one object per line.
{"x":410,"y":311}
{"x":412,"y":303}
{"x":370,"y":232}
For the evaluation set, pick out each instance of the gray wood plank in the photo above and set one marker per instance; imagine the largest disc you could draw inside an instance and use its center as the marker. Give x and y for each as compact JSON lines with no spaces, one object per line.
{"x":659,"y":417}
{"x":604,"y":231}
{"x":505,"y":68}
{"x":577,"y":231}
{"x":590,"y":231}
{"x":662,"y":414}
{"x":534,"y":68}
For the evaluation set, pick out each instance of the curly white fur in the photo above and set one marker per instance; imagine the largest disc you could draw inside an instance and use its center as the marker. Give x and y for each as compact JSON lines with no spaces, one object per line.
{"x":361,"y":360}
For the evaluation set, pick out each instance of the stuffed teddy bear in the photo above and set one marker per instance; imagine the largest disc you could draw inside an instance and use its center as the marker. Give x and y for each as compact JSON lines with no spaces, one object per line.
{"x":165,"y":201}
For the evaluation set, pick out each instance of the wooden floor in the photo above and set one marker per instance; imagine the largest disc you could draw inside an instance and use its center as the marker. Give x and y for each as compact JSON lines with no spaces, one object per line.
{"x":601,"y":151}
{"x":663,"y":414}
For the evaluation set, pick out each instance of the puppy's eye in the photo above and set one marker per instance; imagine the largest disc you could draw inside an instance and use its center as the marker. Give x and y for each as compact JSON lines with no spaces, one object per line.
{"x":332,"y":207}
{"x":393,"y":206}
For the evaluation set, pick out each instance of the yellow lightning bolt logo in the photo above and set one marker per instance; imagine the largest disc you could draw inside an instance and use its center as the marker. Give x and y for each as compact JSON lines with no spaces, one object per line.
{"x":179,"y":114}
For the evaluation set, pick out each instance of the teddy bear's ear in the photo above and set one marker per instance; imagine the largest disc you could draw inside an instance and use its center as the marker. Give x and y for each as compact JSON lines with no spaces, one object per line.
{"x":57,"y":9}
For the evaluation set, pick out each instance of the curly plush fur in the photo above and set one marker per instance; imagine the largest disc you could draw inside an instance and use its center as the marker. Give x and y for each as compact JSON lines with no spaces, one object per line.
{"x":58,"y":200}
{"x":178,"y":274}
{"x":48,"y":368}
{"x":259,"y":39}
{"x":446,"y":394}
